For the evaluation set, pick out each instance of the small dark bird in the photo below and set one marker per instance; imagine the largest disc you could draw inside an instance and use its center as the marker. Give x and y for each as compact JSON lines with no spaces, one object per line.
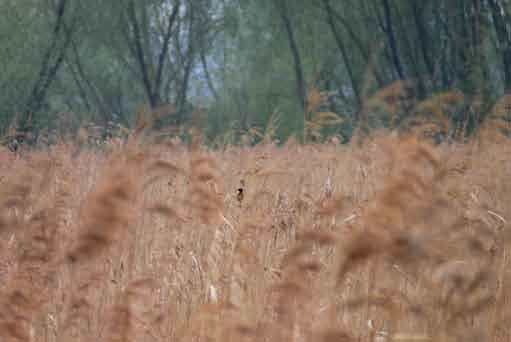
{"x":240,"y":194}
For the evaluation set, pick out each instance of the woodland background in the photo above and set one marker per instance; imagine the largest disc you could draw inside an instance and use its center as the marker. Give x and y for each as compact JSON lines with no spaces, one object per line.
{"x":238,"y":66}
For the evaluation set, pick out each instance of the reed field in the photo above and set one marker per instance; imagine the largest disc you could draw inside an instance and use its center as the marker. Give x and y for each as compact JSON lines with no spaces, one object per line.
{"x":255,"y":171}
{"x":391,"y":238}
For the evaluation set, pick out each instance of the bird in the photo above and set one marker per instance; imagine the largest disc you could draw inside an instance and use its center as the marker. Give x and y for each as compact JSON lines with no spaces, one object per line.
{"x":240,"y":195}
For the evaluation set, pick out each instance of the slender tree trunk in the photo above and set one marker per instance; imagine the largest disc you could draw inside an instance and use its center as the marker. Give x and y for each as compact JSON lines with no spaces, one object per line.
{"x":463,"y":47}
{"x":188,"y":65}
{"x":138,"y":50}
{"x":81,"y":88}
{"x":207,"y":74}
{"x":140,"y":47}
{"x":389,"y":30}
{"x":411,"y":55}
{"x":164,"y":51}
{"x":300,"y":82}
{"x":445,"y":34}
{"x":423,"y":37}
{"x":52,"y":61}
{"x":355,"y":38}
{"x":370,"y":57}
{"x":105,"y":112}
{"x":342,"y":50}
{"x":498,"y":13}
{"x":183,"y":92}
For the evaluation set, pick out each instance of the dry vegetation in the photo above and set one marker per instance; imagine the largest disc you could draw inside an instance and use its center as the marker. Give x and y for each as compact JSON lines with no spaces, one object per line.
{"x":389,"y":240}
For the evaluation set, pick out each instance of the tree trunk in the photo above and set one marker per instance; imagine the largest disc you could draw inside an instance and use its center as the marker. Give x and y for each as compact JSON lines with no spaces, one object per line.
{"x":300,"y":83}
{"x":411,"y":54}
{"x":164,"y":51}
{"x":52,"y":61}
{"x":207,"y":74}
{"x":364,"y":51}
{"x":138,"y":50}
{"x":188,"y":60}
{"x":423,"y":37}
{"x":498,"y":14}
{"x":342,"y":50}
{"x":392,"y":40}
{"x":140,"y":46}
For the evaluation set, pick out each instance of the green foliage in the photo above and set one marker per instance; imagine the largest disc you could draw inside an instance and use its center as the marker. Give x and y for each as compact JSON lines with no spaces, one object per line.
{"x":241,"y":61}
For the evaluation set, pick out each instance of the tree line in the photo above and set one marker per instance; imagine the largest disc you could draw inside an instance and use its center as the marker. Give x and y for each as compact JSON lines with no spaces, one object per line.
{"x":239,"y":66}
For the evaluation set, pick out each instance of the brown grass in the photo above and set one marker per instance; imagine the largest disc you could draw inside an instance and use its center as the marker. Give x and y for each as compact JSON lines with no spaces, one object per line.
{"x":389,"y":240}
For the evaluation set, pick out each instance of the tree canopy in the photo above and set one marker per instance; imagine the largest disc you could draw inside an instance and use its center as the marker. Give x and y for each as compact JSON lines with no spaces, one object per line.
{"x":243,"y":67}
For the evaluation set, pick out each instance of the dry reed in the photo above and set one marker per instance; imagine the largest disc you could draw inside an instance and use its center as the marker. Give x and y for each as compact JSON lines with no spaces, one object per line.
{"x":393,"y":239}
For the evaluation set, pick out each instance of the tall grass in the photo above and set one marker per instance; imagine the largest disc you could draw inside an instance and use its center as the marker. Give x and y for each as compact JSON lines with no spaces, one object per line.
{"x":393,"y":239}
